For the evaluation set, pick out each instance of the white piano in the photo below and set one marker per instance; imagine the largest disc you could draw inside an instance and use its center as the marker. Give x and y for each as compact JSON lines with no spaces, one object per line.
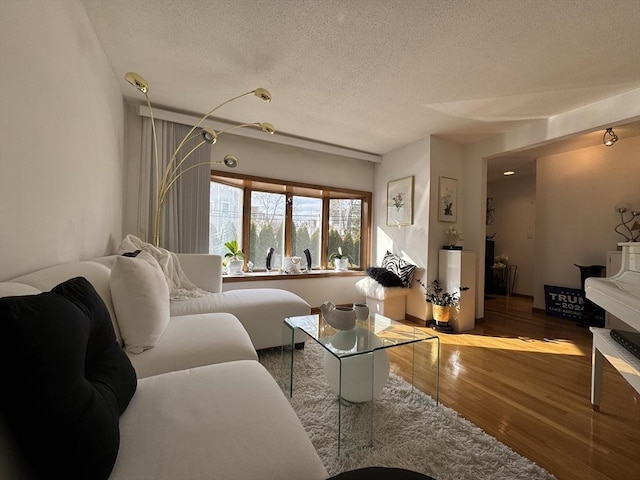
{"x":620,"y":296}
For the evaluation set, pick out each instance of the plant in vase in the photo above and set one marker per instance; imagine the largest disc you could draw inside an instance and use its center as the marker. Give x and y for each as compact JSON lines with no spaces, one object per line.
{"x":453,"y":236}
{"x":234,"y":258}
{"x":442,"y":303}
{"x":340,"y":260}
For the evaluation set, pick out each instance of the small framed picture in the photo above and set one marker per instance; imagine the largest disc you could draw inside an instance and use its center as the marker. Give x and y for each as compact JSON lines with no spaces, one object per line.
{"x":447,"y":199}
{"x":400,"y":202}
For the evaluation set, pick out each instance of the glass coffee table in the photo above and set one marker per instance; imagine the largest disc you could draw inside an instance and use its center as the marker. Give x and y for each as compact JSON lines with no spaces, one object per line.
{"x":356,"y":366}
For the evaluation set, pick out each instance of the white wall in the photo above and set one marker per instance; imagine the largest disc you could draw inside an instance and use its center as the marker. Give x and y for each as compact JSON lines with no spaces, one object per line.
{"x":426,"y":159}
{"x":575,"y":218}
{"x":410,"y":242}
{"x":612,"y":111}
{"x":61,"y":139}
{"x":514,"y":200}
{"x":446,"y":161}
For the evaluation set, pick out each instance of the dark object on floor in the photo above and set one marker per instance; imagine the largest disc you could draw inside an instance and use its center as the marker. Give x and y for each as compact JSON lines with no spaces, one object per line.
{"x":592,"y":315}
{"x":381,"y":473}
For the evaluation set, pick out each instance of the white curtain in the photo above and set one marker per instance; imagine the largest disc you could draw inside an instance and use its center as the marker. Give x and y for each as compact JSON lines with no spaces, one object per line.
{"x":185,"y":212}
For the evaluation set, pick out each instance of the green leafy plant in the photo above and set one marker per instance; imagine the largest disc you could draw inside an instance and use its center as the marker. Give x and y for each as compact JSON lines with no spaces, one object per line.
{"x":339,"y":255}
{"x":434,"y":293}
{"x":234,"y":253}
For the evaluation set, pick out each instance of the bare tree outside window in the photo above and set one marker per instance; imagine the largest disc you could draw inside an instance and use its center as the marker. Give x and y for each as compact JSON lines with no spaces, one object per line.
{"x":307,"y":228}
{"x":267,"y":228}
{"x":345,"y":228}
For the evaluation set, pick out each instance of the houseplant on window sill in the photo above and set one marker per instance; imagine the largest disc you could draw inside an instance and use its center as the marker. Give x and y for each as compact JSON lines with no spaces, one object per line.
{"x":234,"y":258}
{"x":443,"y":304}
{"x":340,"y":260}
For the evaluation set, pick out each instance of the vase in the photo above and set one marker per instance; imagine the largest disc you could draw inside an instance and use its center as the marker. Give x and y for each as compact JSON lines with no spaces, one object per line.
{"x":234,"y":267}
{"x":441,"y":313}
{"x":341,"y":264}
{"x":442,"y":317}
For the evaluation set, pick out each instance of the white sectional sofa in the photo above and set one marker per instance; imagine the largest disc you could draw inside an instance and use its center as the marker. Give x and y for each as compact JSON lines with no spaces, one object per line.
{"x":260,"y":310}
{"x":204,"y":407}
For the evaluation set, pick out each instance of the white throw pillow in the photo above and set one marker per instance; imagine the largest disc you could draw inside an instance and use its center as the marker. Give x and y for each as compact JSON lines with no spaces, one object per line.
{"x":140,"y":297}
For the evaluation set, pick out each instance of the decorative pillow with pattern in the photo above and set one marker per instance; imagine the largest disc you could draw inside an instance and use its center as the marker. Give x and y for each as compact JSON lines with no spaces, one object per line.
{"x":400,"y":267}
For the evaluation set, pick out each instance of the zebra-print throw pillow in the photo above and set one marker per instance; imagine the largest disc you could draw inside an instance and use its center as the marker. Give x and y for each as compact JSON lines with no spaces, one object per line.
{"x":400,"y":267}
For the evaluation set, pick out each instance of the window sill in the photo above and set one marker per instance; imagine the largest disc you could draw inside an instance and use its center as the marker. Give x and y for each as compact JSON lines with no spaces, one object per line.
{"x":264,"y":276}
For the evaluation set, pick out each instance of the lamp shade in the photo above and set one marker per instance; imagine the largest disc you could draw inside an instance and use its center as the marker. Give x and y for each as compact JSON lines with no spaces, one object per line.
{"x":209,"y":135}
{"x":231,"y":161}
{"x":263,"y":94}
{"x":137,"y":81}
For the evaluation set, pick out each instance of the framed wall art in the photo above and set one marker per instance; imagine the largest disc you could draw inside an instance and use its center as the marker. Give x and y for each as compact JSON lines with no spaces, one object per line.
{"x":447,"y":199}
{"x":400,"y":202}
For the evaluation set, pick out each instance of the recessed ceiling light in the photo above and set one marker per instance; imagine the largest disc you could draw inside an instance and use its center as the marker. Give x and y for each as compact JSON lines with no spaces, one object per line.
{"x":508,"y":172}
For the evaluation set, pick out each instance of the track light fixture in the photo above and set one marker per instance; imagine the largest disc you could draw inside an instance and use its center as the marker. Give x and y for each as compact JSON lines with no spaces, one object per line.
{"x":609,"y":138}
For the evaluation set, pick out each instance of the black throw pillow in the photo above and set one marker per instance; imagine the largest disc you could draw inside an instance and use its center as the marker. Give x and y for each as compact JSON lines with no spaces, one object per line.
{"x":385,"y":277}
{"x":65,"y":381}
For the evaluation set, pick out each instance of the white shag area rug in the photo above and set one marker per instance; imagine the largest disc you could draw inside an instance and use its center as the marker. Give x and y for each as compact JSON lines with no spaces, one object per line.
{"x":410,"y":430}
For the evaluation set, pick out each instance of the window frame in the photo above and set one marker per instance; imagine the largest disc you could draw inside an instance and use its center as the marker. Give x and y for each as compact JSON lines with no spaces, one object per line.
{"x":250,"y":183}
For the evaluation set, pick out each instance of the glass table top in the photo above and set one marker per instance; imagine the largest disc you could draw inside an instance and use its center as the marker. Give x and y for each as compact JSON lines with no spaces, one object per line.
{"x":375,"y":333}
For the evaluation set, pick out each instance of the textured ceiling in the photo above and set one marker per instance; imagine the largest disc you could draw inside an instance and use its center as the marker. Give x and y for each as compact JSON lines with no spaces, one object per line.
{"x":375,"y":75}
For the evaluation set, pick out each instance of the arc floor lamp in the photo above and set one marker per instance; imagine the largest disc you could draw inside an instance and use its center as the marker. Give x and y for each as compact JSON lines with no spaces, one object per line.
{"x":173,"y":171}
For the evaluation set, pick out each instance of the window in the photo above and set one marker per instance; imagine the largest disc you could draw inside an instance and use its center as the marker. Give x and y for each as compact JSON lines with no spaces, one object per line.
{"x":266,"y":228}
{"x":345,"y":227}
{"x":264,"y":213}
{"x":306,"y":233}
{"x":225,"y":216}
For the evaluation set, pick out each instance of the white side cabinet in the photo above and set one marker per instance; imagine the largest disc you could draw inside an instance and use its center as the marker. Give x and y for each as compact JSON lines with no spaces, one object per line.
{"x":457,"y":268}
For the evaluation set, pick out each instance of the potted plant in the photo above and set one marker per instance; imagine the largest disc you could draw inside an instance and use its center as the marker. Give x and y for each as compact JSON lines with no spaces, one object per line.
{"x":442,"y":303}
{"x":234,"y":258}
{"x":340,"y":260}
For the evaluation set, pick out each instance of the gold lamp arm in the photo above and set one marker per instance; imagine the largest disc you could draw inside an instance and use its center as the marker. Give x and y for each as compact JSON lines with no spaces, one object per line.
{"x":171,"y":173}
{"x":230,"y":160}
{"x":259,"y":92}
{"x":169,"y":178}
{"x":170,"y":170}
{"x":265,"y":127}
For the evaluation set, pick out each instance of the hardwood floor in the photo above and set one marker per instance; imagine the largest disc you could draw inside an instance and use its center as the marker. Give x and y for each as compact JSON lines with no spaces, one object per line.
{"x":525,"y":378}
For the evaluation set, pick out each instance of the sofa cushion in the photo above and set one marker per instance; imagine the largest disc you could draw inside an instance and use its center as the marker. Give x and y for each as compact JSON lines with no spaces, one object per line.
{"x":372,"y":289}
{"x":241,"y":427}
{"x":141,"y":300}
{"x":65,"y":381}
{"x":97,"y":274}
{"x":385,"y":277}
{"x":260,"y":310}
{"x":195,"y":340}
{"x":400,"y":267}
{"x":12,"y":289}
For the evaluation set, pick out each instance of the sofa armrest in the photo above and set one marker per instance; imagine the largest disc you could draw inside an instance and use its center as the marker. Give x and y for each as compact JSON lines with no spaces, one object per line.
{"x":203,"y":270}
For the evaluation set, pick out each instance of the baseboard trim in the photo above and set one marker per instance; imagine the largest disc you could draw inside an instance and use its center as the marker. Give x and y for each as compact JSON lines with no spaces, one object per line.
{"x":420,"y":321}
{"x":522,"y":295}
{"x":538,"y":310}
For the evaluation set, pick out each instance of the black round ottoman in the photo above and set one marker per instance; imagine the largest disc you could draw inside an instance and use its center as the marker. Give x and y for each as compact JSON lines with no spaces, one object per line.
{"x":381,"y":473}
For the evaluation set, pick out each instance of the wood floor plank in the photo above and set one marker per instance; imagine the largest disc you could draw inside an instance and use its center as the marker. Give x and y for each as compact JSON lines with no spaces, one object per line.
{"x":525,"y":378}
